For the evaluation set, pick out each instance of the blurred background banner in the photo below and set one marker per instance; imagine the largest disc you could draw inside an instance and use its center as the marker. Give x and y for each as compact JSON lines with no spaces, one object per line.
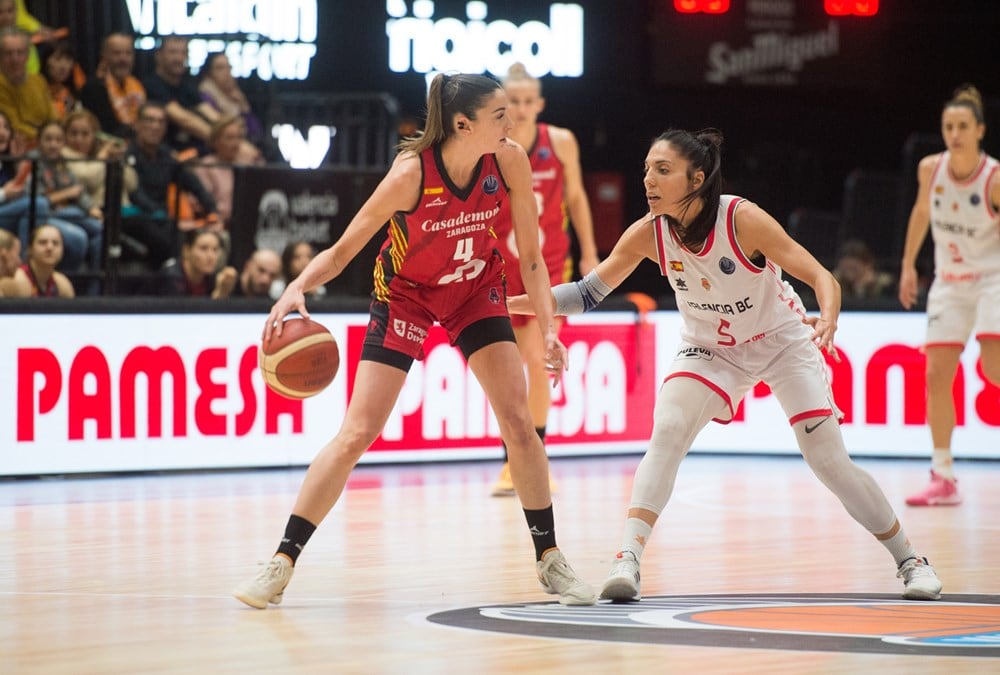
{"x":769,"y":43}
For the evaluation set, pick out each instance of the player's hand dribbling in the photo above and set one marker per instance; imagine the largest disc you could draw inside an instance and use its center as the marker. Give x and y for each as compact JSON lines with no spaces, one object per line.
{"x":292,"y":300}
{"x":822,"y":337}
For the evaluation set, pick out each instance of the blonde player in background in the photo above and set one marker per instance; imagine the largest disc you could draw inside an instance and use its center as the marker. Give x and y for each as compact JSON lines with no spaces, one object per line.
{"x":958,"y":199}
{"x":742,"y":324}
{"x":557,"y":181}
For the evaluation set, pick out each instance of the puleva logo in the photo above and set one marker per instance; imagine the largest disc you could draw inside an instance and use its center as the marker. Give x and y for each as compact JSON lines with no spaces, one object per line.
{"x":959,"y":625}
{"x":491,"y":184}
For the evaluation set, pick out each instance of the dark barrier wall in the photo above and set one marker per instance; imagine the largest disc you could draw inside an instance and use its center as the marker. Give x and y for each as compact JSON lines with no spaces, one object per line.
{"x":275,"y":206}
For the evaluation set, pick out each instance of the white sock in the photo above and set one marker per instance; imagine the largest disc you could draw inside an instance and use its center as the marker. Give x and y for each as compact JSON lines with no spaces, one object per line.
{"x":899,"y":546}
{"x":942,"y":464}
{"x":636,"y":535}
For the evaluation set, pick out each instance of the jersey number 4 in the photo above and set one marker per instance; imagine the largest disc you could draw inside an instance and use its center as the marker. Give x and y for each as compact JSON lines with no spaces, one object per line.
{"x":470,"y":267}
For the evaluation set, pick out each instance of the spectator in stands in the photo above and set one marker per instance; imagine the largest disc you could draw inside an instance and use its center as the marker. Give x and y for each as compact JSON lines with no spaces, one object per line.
{"x":10,"y":254}
{"x":37,"y":276}
{"x":259,"y":271}
{"x":24,"y":96}
{"x":14,"y":200}
{"x":68,"y":201}
{"x":215,"y":170}
{"x":172,"y":86}
{"x":16,"y":205}
{"x":196,"y":273}
{"x":221,"y":96}
{"x":87,"y":154}
{"x":294,"y":259}
{"x":157,"y":169}
{"x":14,"y":14}
{"x":60,"y":70}
{"x":114,"y":94}
{"x":858,"y":275}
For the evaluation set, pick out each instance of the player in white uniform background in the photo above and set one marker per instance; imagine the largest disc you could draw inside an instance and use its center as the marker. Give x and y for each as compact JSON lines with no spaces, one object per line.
{"x":723,"y":256}
{"x":958,"y":199}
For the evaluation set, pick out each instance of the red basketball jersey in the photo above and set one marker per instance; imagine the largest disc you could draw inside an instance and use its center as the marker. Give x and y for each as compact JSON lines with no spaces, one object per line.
{"x":548,"y":183}
{"x":449,"y":237}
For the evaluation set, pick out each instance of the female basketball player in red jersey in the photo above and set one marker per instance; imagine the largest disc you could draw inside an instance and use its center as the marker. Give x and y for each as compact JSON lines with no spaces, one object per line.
{"x":742,"y":324}
{"x":958,"y":199}
{"x":557,"y":181}
{"x":445,"y":195}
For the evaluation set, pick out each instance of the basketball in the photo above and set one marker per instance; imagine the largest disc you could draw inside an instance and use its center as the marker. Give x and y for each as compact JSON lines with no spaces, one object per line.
{"x":302,"y":361}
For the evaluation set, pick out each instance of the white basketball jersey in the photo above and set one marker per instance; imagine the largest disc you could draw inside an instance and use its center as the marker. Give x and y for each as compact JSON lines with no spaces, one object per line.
{"x":964,"y":224}
{"x":724,"y":297}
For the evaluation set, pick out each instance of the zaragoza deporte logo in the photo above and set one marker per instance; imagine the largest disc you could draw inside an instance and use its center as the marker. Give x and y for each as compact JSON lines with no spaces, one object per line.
{"x":958,"y":625}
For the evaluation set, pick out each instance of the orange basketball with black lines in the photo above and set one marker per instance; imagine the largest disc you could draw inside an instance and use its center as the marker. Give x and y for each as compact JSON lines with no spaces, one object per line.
{"x":302,"y":362}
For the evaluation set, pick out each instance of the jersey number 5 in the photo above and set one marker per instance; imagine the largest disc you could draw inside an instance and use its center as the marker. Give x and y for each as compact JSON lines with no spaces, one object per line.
{"x":730,"y":339}
{"x":470,"y":267}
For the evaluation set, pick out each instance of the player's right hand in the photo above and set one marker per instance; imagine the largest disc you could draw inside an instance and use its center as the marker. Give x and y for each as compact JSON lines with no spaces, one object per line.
{"x":292,"y":300}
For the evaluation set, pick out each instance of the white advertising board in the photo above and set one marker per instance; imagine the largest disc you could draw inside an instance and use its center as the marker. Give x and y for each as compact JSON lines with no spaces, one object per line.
{"x":105,"y":393}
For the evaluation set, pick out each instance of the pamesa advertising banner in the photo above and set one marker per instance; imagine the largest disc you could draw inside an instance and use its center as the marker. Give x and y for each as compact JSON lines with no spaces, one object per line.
{"x":162,"y":392}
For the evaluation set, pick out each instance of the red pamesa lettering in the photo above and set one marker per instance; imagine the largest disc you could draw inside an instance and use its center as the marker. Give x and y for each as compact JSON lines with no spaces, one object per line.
{"x":107,"y":394}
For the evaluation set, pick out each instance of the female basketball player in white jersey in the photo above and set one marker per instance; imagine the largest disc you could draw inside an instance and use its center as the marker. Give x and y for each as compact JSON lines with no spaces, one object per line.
{"x":723,"y":256}
{"x":959,"y":200}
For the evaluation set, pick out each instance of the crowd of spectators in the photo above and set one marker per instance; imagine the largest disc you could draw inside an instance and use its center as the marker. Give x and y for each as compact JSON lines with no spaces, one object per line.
{"x":175,"y":139}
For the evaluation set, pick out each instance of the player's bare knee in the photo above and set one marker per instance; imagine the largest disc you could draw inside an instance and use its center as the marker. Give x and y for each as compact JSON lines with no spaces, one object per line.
{"x":354,"y":441}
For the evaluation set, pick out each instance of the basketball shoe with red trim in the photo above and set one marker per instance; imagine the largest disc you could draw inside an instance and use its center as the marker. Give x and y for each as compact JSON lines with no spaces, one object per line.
{"x":920,"y":581}
{"x":622,"y":584}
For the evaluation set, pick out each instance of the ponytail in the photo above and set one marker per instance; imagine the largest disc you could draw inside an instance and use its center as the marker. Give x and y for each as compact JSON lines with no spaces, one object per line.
{"x":449,"y":95}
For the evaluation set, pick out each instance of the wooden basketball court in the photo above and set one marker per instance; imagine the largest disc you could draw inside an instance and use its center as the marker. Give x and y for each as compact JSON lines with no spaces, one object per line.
{"x":132,"y":574}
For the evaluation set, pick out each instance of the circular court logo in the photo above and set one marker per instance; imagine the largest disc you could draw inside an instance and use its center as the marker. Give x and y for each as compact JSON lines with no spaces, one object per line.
{"x":964,"y":625}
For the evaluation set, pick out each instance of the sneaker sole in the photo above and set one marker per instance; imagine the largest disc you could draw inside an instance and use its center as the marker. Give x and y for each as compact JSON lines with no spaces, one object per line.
{"x":252,"y":602}
{"x":577,"y":601}
{"x":620,"y":591}
{"x":502,"y":492}
{"x":935,"y":502}
{"x":921,"y":594}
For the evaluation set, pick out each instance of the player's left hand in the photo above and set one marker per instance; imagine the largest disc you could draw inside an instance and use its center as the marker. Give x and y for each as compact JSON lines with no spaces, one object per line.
{"x":822,"y":337}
